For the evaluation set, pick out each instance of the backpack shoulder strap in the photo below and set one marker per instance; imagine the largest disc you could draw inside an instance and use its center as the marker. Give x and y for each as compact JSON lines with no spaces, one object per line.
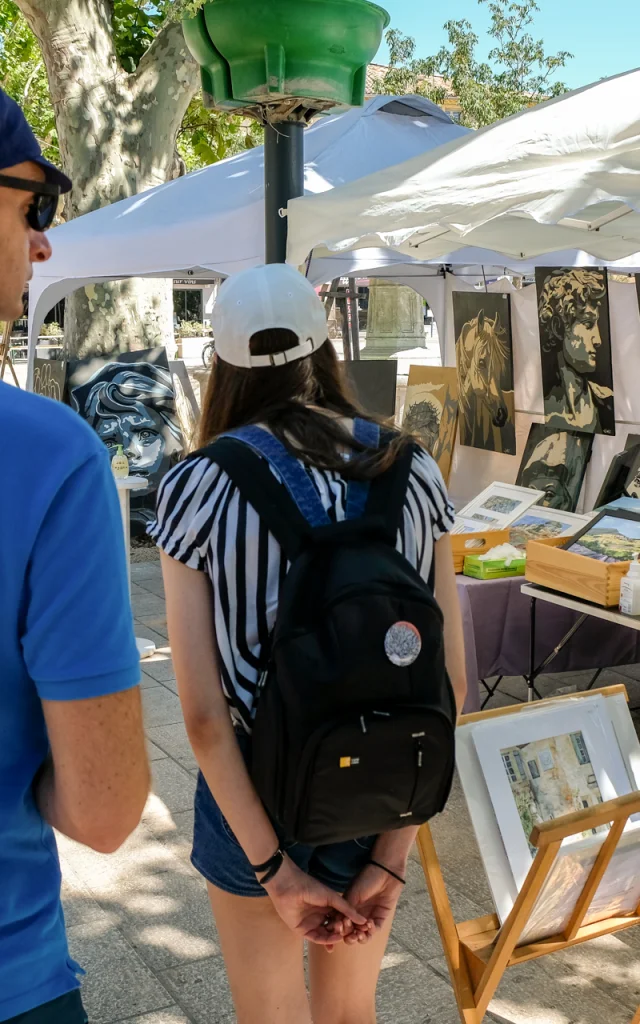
{"x":247,"y":455}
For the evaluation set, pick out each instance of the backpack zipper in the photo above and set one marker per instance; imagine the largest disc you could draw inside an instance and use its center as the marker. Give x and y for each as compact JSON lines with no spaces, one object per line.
{"x":419,"y":748}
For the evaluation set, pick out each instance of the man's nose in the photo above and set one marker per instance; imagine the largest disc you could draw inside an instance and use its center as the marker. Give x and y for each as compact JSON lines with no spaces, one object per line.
{"x":39,"y":247}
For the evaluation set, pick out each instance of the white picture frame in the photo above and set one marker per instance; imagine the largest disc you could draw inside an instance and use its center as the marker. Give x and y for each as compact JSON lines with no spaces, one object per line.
{"x":500,"y":876}
{"x":487,"y":508}
{"x":572,"y":523}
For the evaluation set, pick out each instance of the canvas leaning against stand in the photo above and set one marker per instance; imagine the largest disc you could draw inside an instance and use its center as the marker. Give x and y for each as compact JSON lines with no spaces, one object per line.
{"x":431,"y":411}
{"x":479,"y":951}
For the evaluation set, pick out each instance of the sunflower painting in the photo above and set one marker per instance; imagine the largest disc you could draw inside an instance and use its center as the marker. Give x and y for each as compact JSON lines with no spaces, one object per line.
{"x":431,"y":411}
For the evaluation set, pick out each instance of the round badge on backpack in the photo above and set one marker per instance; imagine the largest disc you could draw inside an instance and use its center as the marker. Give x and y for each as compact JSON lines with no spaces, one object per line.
{"x":402,"y":644}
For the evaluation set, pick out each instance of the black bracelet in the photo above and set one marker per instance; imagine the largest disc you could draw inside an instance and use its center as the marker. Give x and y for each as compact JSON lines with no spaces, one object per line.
{"x":382,"y":867}
{"x":271,"y":867}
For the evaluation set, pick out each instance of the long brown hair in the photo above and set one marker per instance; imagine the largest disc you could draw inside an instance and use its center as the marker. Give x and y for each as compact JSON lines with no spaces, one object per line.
{"x":288,"y":400}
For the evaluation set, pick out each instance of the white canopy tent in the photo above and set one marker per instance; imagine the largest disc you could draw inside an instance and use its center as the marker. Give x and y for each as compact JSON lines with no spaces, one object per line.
{"x":211,"y":222}
{"x":562,"y":175}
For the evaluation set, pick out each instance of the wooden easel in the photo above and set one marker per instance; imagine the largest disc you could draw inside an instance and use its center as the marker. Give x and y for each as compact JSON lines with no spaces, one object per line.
{"x":479,"y":951}
{"x":5,"y":358}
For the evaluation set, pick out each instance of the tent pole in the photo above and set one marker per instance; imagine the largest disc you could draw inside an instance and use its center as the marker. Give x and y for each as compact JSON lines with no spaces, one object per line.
{"x":283,"y":180}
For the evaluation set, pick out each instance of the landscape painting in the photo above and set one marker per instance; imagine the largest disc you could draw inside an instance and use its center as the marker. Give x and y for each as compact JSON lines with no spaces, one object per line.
{"x":431,"y":411}
{"x":549,"y":778}
{"x":555,"y":461}
{"x":610,"y":538}
{"x":575,"y":341}
{"x":484,"y":358}
{"x":129,"y":400}
{"x":542,"y":524}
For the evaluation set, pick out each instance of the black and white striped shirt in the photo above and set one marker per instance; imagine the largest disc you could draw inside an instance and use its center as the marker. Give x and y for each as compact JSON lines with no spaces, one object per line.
{"x":203,"y":521}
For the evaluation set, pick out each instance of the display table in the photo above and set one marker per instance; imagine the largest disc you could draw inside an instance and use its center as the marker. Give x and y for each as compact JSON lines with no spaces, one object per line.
{"x":496,"y":617}
{"x":132,"y":483}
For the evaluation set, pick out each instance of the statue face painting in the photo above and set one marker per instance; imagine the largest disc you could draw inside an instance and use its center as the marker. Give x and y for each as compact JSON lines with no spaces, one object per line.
{"x":582,"y":341}
{"x":141,"y":434}
{"x":133,"y":404}
{"x":577,"y":376}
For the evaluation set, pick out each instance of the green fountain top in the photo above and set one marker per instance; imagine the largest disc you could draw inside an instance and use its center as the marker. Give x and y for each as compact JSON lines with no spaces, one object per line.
{"x":285,"y":59}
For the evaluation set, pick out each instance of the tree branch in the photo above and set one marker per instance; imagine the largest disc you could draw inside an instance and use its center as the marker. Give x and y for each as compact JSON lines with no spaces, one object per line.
{"x":166,"y":80}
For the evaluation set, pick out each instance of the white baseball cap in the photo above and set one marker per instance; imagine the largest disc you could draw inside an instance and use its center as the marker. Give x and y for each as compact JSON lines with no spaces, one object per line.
{"x":261,"y":299}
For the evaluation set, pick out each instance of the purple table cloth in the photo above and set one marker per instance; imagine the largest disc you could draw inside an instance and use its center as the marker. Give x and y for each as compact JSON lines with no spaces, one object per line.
{"x":495,"y":617}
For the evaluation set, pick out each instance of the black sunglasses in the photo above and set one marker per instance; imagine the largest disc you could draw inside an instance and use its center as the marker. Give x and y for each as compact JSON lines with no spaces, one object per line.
{"x":42,"y":208}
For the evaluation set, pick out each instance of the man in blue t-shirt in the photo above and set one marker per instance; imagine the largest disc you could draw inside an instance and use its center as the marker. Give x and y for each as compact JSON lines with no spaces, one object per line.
{"x":72,"y":751}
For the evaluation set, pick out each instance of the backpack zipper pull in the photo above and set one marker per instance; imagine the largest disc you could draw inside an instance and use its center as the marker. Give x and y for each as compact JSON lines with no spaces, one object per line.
{"x":363,"y":724}
{"x":420,"y":755}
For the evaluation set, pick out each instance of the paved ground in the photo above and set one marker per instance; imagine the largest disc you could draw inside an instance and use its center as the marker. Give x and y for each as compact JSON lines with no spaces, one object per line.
{"x":139,"y":921}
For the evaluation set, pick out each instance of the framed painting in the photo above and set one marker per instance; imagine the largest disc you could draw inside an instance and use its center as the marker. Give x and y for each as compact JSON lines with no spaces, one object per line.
{"x":555,"y":461}
{"x":431,"y":411}
{"x":632,"y":485}
{"x":49,"y":378}
{"x":604,"y":724}
{"x":484,"y":359}
{"x":632,"y":441}
{"x":613,"y":536}
{"x":498,"y":506}
{"x":575,"y":341}
{"x":374,"y":382}
{"x":617,"y":477}
{"x":540,"y":523}
{"x":129,"y":400}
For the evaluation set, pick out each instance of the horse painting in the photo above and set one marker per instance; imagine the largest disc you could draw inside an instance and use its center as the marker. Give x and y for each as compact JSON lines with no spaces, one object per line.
{"x":485,"y":372}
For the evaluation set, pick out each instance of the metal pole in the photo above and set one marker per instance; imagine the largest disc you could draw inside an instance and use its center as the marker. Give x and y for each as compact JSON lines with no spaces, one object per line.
{"x":355,"y":325}
{"x":283,"y":180}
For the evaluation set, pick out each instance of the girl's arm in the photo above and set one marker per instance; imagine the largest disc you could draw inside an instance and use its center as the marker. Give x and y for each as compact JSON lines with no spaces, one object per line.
{"x":300,"y":900}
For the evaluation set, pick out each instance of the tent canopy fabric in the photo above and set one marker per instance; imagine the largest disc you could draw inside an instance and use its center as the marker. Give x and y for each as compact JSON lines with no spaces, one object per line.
{"x":561,"y":175}
{"x":212,"y":220}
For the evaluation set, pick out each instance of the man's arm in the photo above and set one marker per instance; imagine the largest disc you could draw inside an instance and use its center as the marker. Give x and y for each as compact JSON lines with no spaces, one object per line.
{"x":95,"y":785}
{"x":80,"y":652}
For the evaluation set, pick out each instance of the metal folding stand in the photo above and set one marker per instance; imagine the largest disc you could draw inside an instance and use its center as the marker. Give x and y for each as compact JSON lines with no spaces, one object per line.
{"x":535,"y":671}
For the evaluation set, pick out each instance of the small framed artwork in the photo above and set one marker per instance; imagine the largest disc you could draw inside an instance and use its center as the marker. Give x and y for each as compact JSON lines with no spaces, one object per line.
{"x":431,"y":411}
{"x":546,"y":764}
{"x":613,"y":536}
{"x":615,"y":481}
{"x":499,"y":506}
{"x":624,"y":742}
{"x":632,"y":441}
{"x":555,"y":461}
{"x":632,"y":485}
{"x":540,"y":523}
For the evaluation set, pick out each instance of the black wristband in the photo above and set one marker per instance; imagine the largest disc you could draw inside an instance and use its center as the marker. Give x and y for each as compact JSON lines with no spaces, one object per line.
{"x":271,"y":867}
{"x":382,"y":867}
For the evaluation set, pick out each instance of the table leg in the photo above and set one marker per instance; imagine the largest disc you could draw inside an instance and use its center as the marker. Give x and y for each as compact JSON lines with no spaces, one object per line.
{"x":532,"y":652}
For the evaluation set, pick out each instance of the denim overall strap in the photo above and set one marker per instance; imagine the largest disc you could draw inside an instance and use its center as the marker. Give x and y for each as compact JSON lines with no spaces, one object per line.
{"x":366,"y":433}
{"x":288,"y":469}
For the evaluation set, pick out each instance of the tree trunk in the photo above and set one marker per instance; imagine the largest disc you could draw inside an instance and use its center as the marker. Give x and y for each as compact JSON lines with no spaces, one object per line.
{"x":117,"y":135}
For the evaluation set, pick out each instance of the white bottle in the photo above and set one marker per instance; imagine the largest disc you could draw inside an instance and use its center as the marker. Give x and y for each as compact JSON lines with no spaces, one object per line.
{"x":630,"y":589}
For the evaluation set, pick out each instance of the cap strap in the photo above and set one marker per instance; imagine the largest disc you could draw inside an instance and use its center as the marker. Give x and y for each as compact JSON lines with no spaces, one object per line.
{"x":307,"y":348}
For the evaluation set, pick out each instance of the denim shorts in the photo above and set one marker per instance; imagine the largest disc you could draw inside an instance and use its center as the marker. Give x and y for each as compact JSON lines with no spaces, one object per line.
{"x":218,"y":856}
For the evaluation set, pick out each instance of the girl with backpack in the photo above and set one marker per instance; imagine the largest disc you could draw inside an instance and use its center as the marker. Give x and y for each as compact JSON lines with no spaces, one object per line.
{"x":319,"y":680}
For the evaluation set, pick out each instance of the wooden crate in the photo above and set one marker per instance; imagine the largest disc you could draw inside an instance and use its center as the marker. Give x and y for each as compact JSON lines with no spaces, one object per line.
{"x":550,"y":566}
{"x":475,"y":544}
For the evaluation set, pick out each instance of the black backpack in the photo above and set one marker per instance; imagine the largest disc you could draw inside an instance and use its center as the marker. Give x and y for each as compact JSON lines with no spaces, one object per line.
{"x":355,"y":715}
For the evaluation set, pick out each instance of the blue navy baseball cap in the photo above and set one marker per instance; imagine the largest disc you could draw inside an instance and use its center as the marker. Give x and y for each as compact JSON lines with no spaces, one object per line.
{"x":18,"y":144}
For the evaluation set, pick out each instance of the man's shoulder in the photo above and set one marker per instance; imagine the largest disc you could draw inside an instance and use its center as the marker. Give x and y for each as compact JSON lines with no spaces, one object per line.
{"x":36,"y":429}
